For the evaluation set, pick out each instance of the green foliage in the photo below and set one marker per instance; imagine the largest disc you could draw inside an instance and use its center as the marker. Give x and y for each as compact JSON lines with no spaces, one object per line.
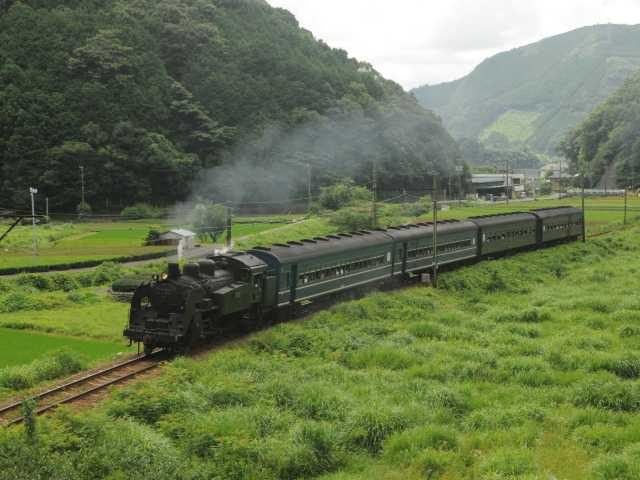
{"x":342,"y":194}
{"x":535,"y":94}
{"x":609,"y":136}
{"x":52,"y":366}
{"x":209,"y":220}
{"x":84,"y":209}
{"x":152,"y":237}
{"x":351,"y":219}
{"x":494,"y":157}
{"x":469,"y":381}
{"x":29,"y":415}
{"x":147,"y":95}
{"x":143,"y":210}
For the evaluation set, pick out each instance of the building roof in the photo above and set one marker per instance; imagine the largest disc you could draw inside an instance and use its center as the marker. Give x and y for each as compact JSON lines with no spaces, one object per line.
{"x":177,"y":233}
{"x":499,"y":178}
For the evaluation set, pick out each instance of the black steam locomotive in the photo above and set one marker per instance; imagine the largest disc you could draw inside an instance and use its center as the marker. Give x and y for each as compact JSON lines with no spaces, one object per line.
{"x":181,"y":308}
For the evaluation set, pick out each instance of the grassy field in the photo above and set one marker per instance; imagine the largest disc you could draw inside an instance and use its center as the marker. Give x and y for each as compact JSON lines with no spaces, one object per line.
{"x":517,"y":126}
{"x":21,"y":347}
{"x":521,"y":368}
{"x":66,"y":243}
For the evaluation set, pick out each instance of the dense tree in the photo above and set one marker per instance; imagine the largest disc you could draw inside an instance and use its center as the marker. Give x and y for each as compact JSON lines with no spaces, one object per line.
{"x":146,"y":94}
{"x":476,"y":153}
{"x":609,"y":136}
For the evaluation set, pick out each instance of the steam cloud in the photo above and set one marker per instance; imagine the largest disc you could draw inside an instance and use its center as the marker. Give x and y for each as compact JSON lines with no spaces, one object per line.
{"x":405,"y":144}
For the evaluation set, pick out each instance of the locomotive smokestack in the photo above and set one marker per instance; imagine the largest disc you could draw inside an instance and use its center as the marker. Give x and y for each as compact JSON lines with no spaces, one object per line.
{"x":174,"y":271}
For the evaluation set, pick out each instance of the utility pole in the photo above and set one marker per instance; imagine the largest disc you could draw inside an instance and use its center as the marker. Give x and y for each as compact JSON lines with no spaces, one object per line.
{"x":82,"y":182}
{"x":560,"y":177}
{"x":309,"y":199}
{"x":228,"y":228}
{"x":625,"y":205}
{"x":584,"y":217}
{"x":374,"y":195}
{"x":435,"y":231}
{"x":33,"y":192}
{"x":507,"y":174}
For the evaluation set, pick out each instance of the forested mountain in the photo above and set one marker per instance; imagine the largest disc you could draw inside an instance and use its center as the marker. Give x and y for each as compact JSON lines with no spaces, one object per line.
{"x":610,"y":136}
{"x":534,"y":94}
{"x":148,"y":95}
{"x":477,"y":153}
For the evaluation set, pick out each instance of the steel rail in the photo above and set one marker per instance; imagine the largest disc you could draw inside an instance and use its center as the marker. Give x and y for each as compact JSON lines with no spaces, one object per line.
{"x":82,"y":380}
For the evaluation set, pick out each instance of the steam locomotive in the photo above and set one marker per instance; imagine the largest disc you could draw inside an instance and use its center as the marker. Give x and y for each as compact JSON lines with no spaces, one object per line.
{"x":183,"y":307}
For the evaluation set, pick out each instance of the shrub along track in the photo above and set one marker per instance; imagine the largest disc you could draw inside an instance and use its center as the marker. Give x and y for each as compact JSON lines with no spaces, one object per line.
{"x":87,"y":388}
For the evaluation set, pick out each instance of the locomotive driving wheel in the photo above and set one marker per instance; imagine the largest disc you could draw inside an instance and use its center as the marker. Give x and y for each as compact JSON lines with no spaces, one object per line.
{"x":148,"y":349}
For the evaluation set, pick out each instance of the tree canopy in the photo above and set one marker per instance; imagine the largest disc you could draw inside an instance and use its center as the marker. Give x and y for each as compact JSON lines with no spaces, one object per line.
{"x":610,"y":136}
{"x":148,"y":95}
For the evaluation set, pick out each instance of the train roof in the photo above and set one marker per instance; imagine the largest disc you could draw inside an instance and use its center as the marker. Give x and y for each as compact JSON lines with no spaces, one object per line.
{"x":307,"y":249}
{"x":415,"y":230}
{"x":556,"y":211}
{"x":503,"y":218}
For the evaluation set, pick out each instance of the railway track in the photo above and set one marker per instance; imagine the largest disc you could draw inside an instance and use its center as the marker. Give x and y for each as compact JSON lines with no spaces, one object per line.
{"x":89,"y":385}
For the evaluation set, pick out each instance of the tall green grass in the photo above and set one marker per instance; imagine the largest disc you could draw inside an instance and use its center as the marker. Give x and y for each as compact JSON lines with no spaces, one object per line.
{"x":521,"y":368}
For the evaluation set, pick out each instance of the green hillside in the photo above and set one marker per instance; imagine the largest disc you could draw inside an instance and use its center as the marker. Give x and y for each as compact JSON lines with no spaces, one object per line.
{"x":536,"y":93}
{"x":610,"y":136}
{"x":147,"y":94}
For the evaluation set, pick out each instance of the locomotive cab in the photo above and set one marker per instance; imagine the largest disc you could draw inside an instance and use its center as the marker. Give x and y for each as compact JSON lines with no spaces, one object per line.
{"x":181,"y":308}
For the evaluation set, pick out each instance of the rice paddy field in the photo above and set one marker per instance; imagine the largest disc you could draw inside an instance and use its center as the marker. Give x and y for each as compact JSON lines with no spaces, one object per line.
{"x":523,"y":368}
{"x":23,"y":347}
{"x":62,"y":243}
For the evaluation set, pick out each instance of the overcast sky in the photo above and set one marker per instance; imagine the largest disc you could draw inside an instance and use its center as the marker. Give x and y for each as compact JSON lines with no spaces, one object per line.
{"x":415,"y":42}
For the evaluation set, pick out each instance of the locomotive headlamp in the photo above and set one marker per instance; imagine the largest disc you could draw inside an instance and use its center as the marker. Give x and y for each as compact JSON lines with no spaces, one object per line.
{"x":164,"y":276}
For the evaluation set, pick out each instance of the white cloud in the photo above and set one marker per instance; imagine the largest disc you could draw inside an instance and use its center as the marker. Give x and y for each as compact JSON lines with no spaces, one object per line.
{"x":423,"y":41}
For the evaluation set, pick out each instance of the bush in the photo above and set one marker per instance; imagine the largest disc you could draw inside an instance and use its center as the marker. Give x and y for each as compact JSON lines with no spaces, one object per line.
{"x":342,"y":194}
{"x":142,"y":210}
{"x":417,"y":209}
{"x":608,"y":394}
{"x":370,"y":428}
{"x":314,"y":452}
{"x":351,"y":219}
{"x":432,"y":463}
{"x":427,"y":330}
{"x":153,"y":235}
{"x":19,"y":301}
{"x":83,"y":298}
{"x":106,"y":273}
{"x":64,"y":282}
{"x":55,"y":365}
{"x":209,"y":220}
{"x":39,"y":282}
{"x":509,"y":463}
{"x":404,"y":446}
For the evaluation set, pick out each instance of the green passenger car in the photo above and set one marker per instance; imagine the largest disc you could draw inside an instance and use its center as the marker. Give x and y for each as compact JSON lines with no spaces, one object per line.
{"x":323,"y":265}
{"x":503,"y":233}
{"x":561,"y":223}
{"x":413,"y":244}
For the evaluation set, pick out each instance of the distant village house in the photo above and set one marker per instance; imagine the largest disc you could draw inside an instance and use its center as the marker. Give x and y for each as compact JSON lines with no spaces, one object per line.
{"x":173,"y":238}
